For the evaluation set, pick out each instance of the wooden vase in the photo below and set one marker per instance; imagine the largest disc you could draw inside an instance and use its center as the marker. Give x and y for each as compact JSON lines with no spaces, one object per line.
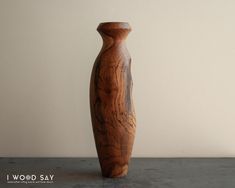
{"x":112,"y":111}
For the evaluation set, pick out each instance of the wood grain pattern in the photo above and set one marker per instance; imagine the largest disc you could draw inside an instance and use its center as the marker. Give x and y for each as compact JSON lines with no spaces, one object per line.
{"x":112,"y":111}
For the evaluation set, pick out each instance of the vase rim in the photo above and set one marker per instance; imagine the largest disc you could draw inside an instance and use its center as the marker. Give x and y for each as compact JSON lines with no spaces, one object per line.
{"x":114,"y":25}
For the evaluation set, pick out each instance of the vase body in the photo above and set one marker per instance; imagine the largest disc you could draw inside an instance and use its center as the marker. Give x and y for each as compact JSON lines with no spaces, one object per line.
{"x":111,"y":105}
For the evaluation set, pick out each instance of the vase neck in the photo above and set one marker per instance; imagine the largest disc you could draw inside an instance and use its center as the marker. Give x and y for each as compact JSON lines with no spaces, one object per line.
{"x":118,"y":31}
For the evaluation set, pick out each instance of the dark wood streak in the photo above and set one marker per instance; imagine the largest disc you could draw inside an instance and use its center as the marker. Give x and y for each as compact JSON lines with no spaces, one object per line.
{"x":112,"y":111}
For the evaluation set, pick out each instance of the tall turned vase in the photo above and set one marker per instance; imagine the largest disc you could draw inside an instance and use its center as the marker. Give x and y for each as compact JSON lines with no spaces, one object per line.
{"x":112,"y":111}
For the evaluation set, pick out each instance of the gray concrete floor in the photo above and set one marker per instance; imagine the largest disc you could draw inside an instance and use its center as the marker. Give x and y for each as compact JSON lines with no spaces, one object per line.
{"x":143,"y":173}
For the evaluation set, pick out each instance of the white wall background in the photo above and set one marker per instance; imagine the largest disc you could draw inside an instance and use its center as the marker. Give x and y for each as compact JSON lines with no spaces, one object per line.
{"x":183,"y":71}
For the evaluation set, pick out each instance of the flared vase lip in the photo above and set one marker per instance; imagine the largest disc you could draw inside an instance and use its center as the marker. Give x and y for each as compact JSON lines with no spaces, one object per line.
{"x":113,"y":25}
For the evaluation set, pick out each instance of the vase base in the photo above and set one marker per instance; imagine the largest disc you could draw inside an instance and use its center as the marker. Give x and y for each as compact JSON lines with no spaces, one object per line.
{"x":116,"y":172}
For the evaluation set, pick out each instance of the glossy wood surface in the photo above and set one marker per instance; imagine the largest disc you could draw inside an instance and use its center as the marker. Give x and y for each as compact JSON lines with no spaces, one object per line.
{"x":112,"y":111}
